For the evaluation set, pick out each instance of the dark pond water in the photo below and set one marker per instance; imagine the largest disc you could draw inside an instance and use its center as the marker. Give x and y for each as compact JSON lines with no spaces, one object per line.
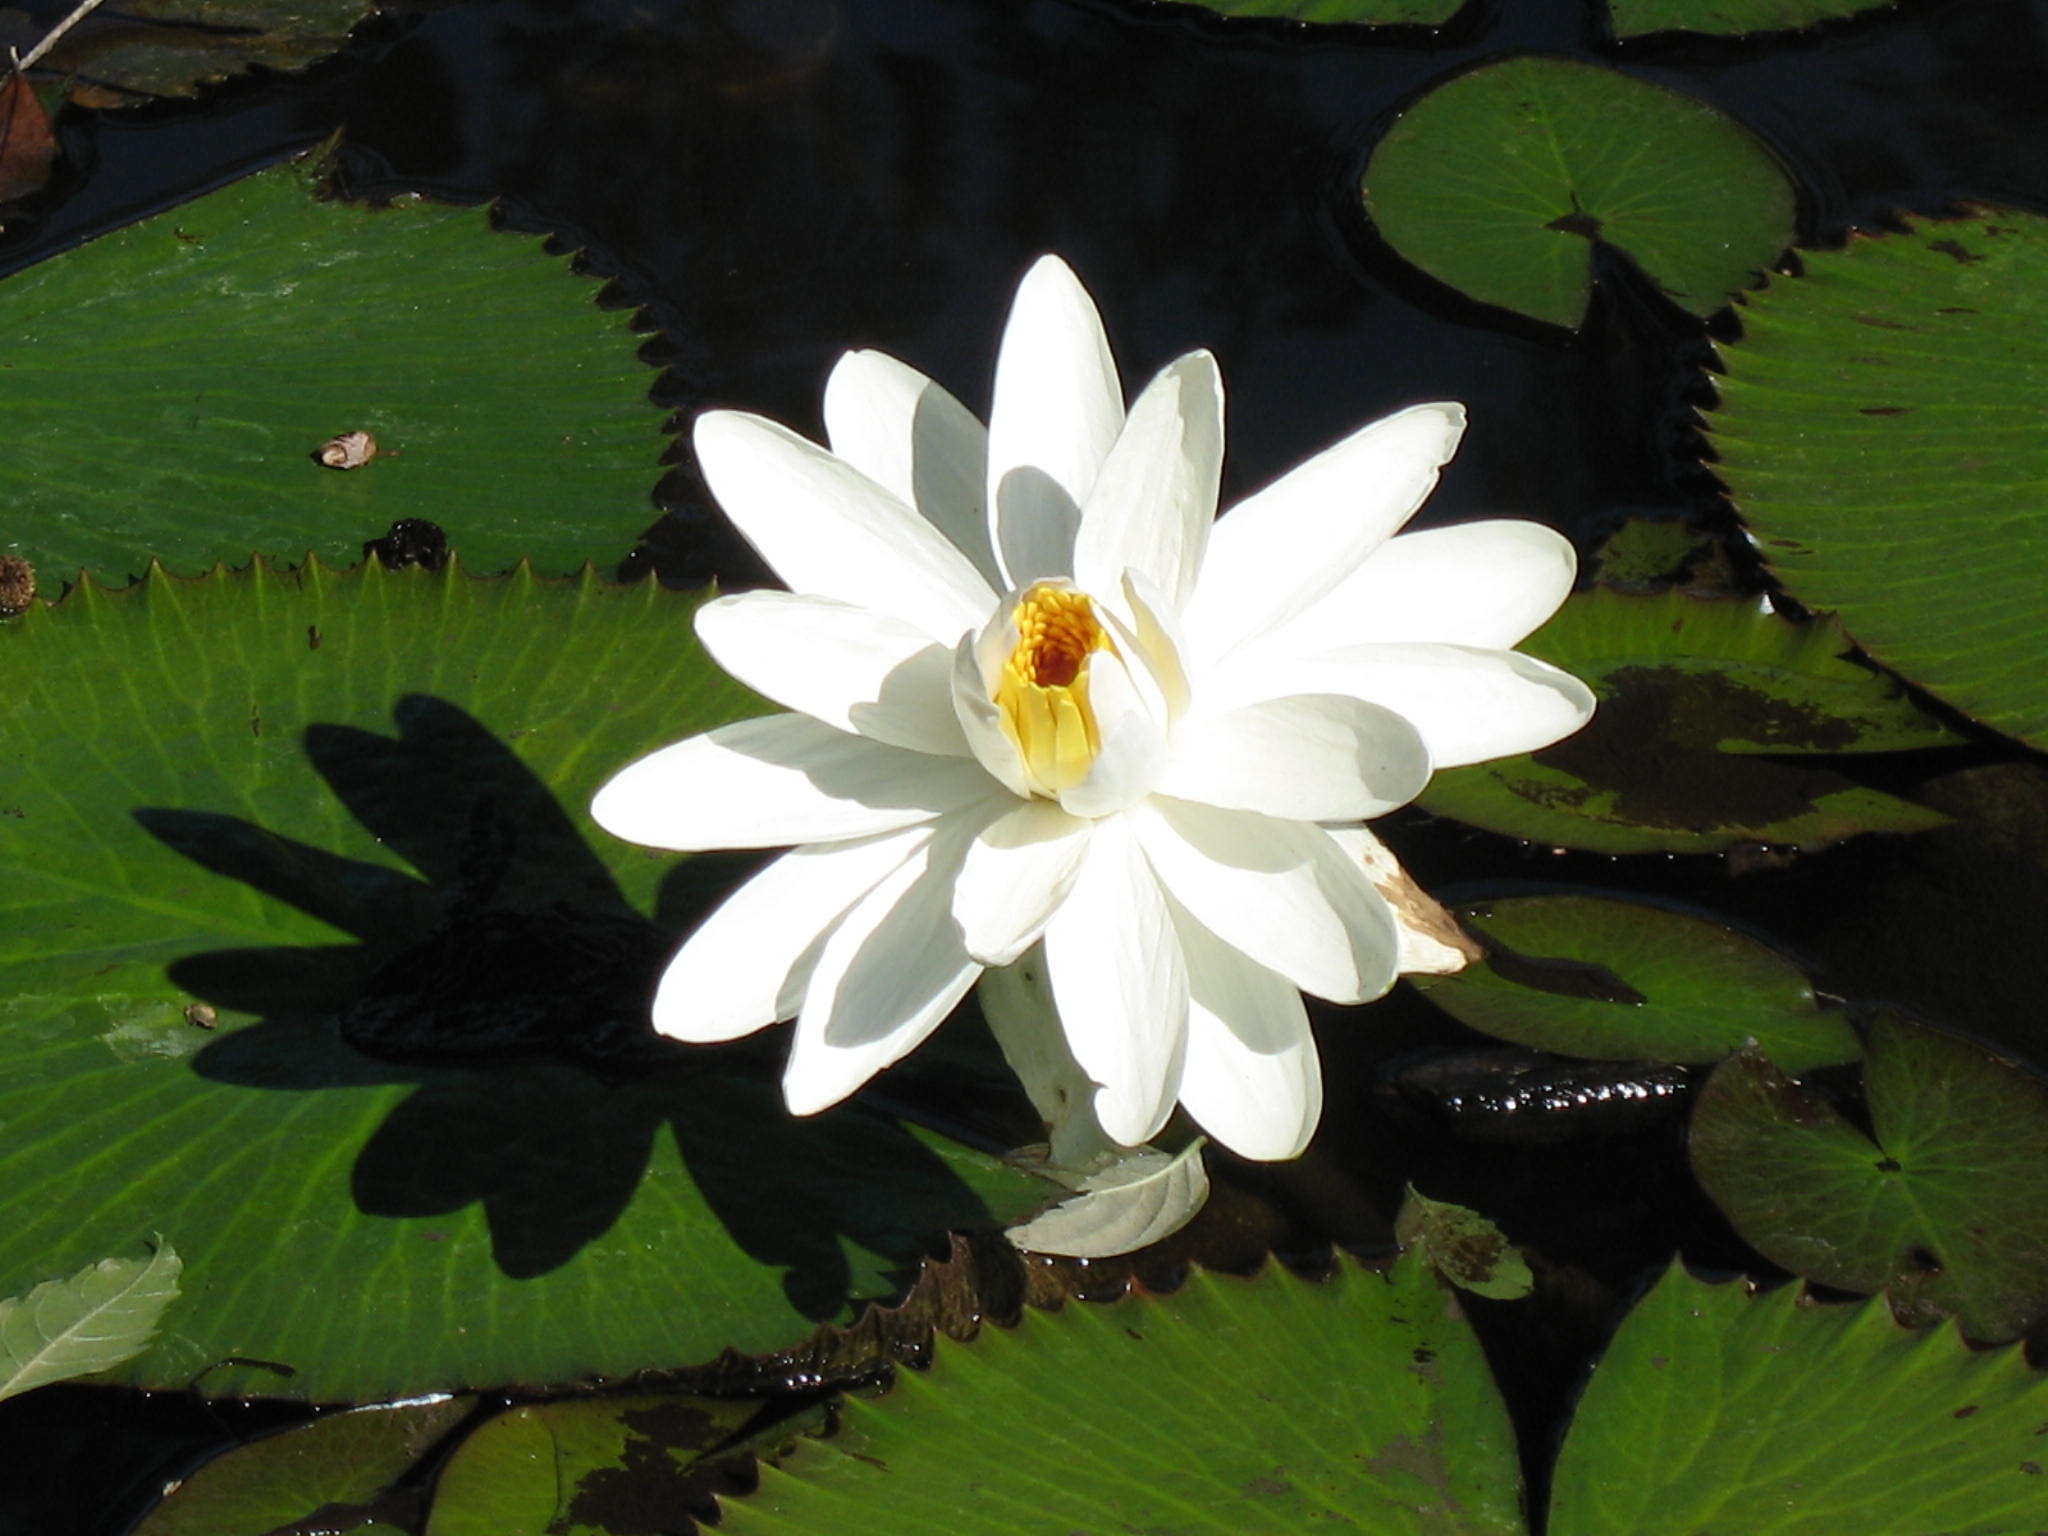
{"x":777,"y":180}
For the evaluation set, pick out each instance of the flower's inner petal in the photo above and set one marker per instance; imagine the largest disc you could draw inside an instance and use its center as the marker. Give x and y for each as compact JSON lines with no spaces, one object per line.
{"x":1277,"y":553}
{"x":1121,"y":985}
{"x":852,"y":668}
{"x":1151,"y":507}
{"x":748,"y":962}
{"x":1251,"y":1078}
{"x":779,"y":780}
{"x":1043,"y":691}
{"x":1280,"y":891}
{"x":1487,"y":584}
{"x":917,"y":442}
{"x":1058,"y":408}
{"x":830,"y":531}
{"x":1016,"y":874}
{"x":1308,"y":757}
{"x":1131,"y":725}
{"x":887,"y":977}
{"x":1470,"y":705}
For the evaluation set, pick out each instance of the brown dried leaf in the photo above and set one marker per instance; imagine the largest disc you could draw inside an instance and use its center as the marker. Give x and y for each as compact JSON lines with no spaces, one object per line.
{"x":28,"y":146}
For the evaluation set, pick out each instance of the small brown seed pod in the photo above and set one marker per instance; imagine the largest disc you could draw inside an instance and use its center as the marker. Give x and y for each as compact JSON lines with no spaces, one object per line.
{"x":351,"y":450}
{"x":17,"y":585}
{"x":203,"y":1015}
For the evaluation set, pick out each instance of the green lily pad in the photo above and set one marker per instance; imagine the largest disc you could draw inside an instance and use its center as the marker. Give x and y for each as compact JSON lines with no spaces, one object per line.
{"x":1500,"y":180}
{"x":167,"y":387}
{"x":1883,"y":430}
{"x":1716,"y":1411}
{"x":310,"y":954}
{"x":1943,"y":1205}
{"x":545,"y":1468}
{"x":1577,"y":965}
{"x":1229,"y":1406}
{"x":345,"y":1459}
{"x":1731,"y":18}
{"x":1707,"y":708}
{"x":1357,"y":13}
{"x":87,"y":1322}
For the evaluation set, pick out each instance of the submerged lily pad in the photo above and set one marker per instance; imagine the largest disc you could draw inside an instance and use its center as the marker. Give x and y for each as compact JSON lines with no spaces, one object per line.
{"x":312,"y":956}
{"x":1621,"y":981}
{"x":1716,"y":1411}
{"x":167,"y":387}
{"x":1359,"y":13}
{"x":1707,"y":707}
{"x":133,"y":51}
{"x":1883,"y":430}
{"x":1229,"y":1406}
{"x":1731,"y":18}
{"x":1500,"y":181}
{"x":1943,"y":1205}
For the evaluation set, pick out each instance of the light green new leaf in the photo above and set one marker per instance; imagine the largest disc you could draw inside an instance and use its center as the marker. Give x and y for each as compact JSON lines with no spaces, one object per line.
{"x":1499,"y":181}
{"x":1730,"y":18}
{"x":1771,"y":1416}
{"x":167,"y":386}
{"x":433,"y":1142}
{"x":1705,"y":989}
{"x":99,"y":1318}
{"x":1947,"y":1209}
{"x":1883,"y":430}
{"x":1231,"y":1406}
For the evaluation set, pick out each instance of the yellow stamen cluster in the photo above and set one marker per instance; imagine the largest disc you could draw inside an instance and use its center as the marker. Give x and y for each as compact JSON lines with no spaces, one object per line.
{"x":1043,"y":691}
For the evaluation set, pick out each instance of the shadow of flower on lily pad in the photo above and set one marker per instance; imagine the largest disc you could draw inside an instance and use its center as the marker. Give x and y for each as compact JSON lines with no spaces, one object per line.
{"x":509,"y":987}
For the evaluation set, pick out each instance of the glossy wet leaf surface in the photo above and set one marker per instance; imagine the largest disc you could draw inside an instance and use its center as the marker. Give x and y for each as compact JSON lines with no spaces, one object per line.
{"x":346,"y":812}
{"x":1881,"y":431}
{"x":1712,"y":1410}
{"x":1624,"y":981}
{"x":1942,"y":1205}
{"x":92,"y":1321}
{"x":168,"y":385}
{"x":1730,"y":18}
{"x":1714,"y":728}
{"x":1499,"y":181}
{"x":1229,"y":1406}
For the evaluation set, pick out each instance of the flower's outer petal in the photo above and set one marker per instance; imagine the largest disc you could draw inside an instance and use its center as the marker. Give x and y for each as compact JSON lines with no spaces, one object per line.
{"x":1016,"y":874}
{"x":1470,"y":705}
{"x":852,"y":668}
{"x":1058,"y":408}
{"x":1486,"y":584}
{"x":1251,"y":1078}
{"x":779,"y":780}
{"x":916,"y":441}
{"x":1121,"y":985}
{"x":830,"y":531}
{"x":1277,"y":553}
{"x":1151,"y":507}
{"x":1156,"y":639}
{"x":748,"y":962}
{"x":1433,"y":942}
{"x":980,"y":718}
{"x":887,"y":976}
{"x":1280,"y":891}
{"x":1130,"y":718}
{"x":1307,"y":757}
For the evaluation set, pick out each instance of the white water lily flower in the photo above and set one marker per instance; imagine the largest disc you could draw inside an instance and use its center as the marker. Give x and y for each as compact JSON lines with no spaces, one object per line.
{"x":1041,"y":695}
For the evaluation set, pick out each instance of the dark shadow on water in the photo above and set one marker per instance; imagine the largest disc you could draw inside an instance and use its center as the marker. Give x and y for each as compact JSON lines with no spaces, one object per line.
{"x":509,"y":986}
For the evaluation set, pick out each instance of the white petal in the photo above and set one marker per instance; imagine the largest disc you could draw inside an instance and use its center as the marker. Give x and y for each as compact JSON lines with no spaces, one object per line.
{"x":1487,"y":584}
{"x":1275,"y":554}
{"x":1121,"y":985}
{"x":778,"y":780}
{"x":980,"y":718}
{"x":916,"y":441}
{"x":1016,"y":874}
{"x":1433,"y":942}
{"x":888,"y":975}
{"x":1309,"y":757}
{"x":850,"y":667}
{"x":1151,"y":507}
{"x":748,"y":962}
{"x":1470,"y":705}
{"x":1057,"y":410}
{"x":1251,"y":1079}
{"x":1280,"y":891}
{"x":830,"y":531}
{"x":1131,"y":720}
